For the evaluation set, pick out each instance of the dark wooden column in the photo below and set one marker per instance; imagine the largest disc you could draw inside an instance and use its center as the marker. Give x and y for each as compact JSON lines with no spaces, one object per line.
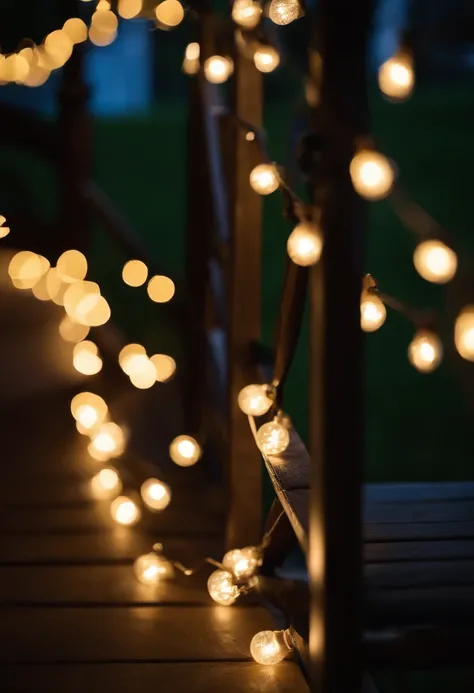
{"x":244,"y":281}
{"x":336,"y":363}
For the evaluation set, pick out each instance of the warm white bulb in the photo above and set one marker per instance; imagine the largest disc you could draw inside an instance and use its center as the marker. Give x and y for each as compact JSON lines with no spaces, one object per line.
{"x":266,"y":58}
{"x":435,"y":261}
{"x":253,"y":400}
{"x":221,"y":587}
{"x":218,"y":69}
{"x":185,"y":451}
{"x":397,"y":77}
{"x":425,"y":351}
{"x":156,"y":495}
{"x":269,"y":647}
{"x":264,"y":179}
{"x":372,"y":174}
{"x":372,"y":313}
{"x":284,"y":12}
{"x":242,"y":563}
{"x":305,"y":244}
{"x":88,"y":409}
{"x":87,"y":416}
{"x":464,"y":333}
{"x":108,"y":441}
{"x":106,"y":484}
{"x":125,"y":511}
{"x":273,"y":438}
{"x":151,"y":568}
{"x":246,"y":13}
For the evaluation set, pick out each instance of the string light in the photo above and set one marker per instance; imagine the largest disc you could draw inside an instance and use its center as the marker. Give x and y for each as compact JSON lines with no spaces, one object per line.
{"x":243,"y":563}
{"x":26,"y":269}
{"x":169,"y":13}
{"x":254,"y":401}
{"x":71,"y":266}
{"x":4,"y":230}
{"x":156,"y":494}
{"x":71,"y":331}
{"x":372,"y":312}
{"x":221,"y":587}
{"x":161,"y":289}
{"x":264,"y":179}
{"x":266,"y":58}
{"x":305,"y":244}
{"x":106,"y":484}
{"x":58,"y":48}
{"x":129,"y":9}
{"x":125,"y":511}
{"x":191,"y":62}
{"x":270,"y":647}
{"x":185,"y":451}
{"x":425,"y":351}
{"x":435,"y":261}
{"x":165,"y":367}
{"x":143,"y":373}
{"x":76,"y":29}
{"x":273,"y":438}
{"x":372,"y":174}
{"x":78,"y":298}
{"x":397,"y":77}
{"x":246,"y":13}
{"x":107,"y":442}
{"x":88,"y":409}
{"x":135,"y":273}
{"x":284,"y":12}
{"x":464,"y":333}
{"x":218,"y":69}
{"x":86,"y":359}
{"x":152,"y":568}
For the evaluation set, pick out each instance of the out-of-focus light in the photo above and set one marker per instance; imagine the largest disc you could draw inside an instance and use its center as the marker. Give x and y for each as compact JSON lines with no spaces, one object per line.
{"x":372,"y":312}
{"x":71,"y":266}
{"x":107,"y":442}
{"x":464,"y":333}
{"x":125,"y":511}
{"x":104,"y":20}
{"x":79,"y":298}
{"x":372,"y":174}
{"x":246,"y":13}
{"x":151,"y":568}
{"x":86,"y":359}
{"x":266,"y":58}
{"x":58,"y":48}
{"x":71,"y":331}
{"x":185,"y":451}
{"x":4,"y":230}
{"x":264,"y":179}
{"x":135,"y":273}
{"x":169,"y":13}
{"x":89,"y":399}
{"x":218,"y":69}
{"x":27,"y":268}
{"x":156,"y":495}
{"x":143,"y":377}
{"x":160,"y":289}
{"x":425,"y":351}
{"x":284,"y":12}
{"x":435,"y":261}
{"x":106,"y":484}
{"x":397,"y":77}
{"x":76,"y":29}
{"x":128,"y":9}
{"x":191,"y":62}
{"x":305,"y":244}
{"x":165,"y":367}
{"x":254,"y":401}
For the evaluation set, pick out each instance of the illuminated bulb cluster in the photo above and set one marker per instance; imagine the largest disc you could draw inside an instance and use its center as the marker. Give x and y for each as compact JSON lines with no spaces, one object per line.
{"x":270,"y":647}
{"x":425,"y":351}
{"x":104,"y":25}
{"x":169,"y":14}
{"x":435,"y":261}
{"x":155,"y":494}
{"x":135,"y":273}
{"x":4,"y":230}
{"x":372,"y":312}
{"x":26,"y":269}
{"x":246,"y":13}
{"x":284,"y":12}
{"x":86,"y":359}
{"x":253,"y":400}
{"x":218,"y":69}
{"x":266,"y":58}
{"x":161,"y":289}
{"x":264,"y":179}
{"x":185,"y":451}
{"x":243,"y":563}
{"x":372,"y":174}
{"x":143,"y":371}
{"x":397,"y":77}
{"x":107,"y":484}
{"x":90,"y":411}
{"x":464,"y":333}
{"x":125,"y":511}
{"x":305,"y":244}
{"x":152,"y":568}
{"x":191,"y":63}
{"x":273,"y":438}
{"x":222,"y":588}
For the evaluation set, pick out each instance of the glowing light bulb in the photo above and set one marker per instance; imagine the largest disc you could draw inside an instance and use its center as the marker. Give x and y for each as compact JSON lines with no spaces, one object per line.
{"x":270,"y":647}
{"x":185,"y":451}
{"x":58,"y":48}
{"x":76,"y":29}
{"x":125,"y":511}
{"x":397,"y":77}
{"x":101,"y":38}
{"x":284,"y":12}
{"x":222,"y":588}
{"x":160,"y":289}
{"x":266,"y":58}
{"x":26,"y":269}
{"x":425,"y":351}
{"x":107,"y":442}
{"x":305,"y":244}
{"x":273,"y":438}
{"x":191,"y":62}
{"x":71,"y":331}
{"x":254,"y":401}
{"x":127,"y":354}
{"x":464,"y":333}
{"x":169,"y":13}
{"x":242,"y":563}
{"x":246,"y":13}
{"x":4,"y":230}
{"x":86,"y":359}
{"x":71,"y":266}
{"x":105,"y":20}
{"x":143,"y":372}
{"x":135,"y":273}
{"x":218,"y":69}
{"x":372,"y":174}
{"x":435,"y":262}
{"x":86,"y":402}
{"x":106,"y":484}
{"x":156,"y":495}
{"x":165,"y":367}
{"x":264,"y":179}
{"x":151,"y":568}
{"x":128,"y":9}
{"x":372,"y":312}
{"x":79,"y":298}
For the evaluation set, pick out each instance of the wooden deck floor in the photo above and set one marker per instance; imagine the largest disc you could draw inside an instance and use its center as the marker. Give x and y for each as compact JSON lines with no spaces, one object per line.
{"x":73,"y":617}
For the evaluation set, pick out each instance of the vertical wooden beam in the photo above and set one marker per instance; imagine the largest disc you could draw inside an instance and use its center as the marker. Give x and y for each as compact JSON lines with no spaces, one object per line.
{"x":336,"y":363}
{"x":244,"y":281}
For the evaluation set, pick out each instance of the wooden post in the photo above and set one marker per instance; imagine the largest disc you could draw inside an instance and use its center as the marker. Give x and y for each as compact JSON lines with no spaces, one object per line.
{"x":336,"y":363}
{"x":244,"y":281}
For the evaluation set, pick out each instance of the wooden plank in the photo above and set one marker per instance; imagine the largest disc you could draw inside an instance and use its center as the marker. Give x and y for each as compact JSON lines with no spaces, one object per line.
{"x":418,"y":551}
{"x":420,"y":574}
{"x":128,"y":634}
{"x":411,"y":531}
{"x":209,"y":677}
